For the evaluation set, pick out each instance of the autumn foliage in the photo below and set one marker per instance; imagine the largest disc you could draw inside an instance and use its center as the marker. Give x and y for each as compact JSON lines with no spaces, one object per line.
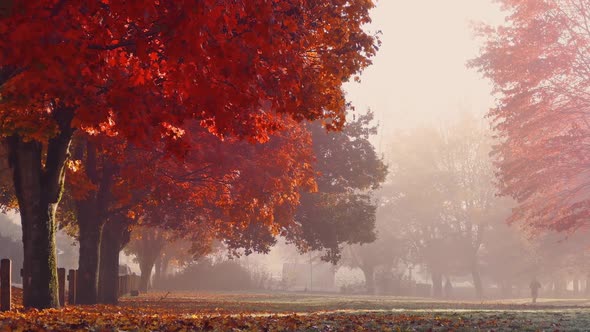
{"x":538,"y":63}
{"x":122,"y":76}
{"x":127,"y":67}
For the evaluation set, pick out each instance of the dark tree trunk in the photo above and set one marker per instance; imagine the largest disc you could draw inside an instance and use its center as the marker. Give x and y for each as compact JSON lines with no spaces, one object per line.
{"x":91,"y":214}
{"x":38,"y":186}
{"x":113,"y":236}
{"x":477,"y":280}
{"x":437,"y":284}
{"x":369,"y":272}
{"x":89,"y":259}
{"x":38,"y":225}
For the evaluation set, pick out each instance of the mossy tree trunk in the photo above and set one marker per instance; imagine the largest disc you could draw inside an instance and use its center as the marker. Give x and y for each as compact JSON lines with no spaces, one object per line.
{"x":38,"y":179}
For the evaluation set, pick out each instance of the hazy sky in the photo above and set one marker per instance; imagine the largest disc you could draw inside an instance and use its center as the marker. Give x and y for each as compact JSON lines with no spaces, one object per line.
{"x":419,"y":75}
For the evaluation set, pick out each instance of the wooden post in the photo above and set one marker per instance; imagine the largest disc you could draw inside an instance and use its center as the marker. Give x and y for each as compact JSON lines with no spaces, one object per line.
{"x":5,"y":284}
{"x":72,"y":286}
{"x":61,"y":284}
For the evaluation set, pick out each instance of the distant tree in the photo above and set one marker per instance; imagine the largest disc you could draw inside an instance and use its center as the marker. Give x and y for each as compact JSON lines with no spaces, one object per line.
{"x":390,"y":248}
{"x":342,"y":211}
{"x":507,"y":256}
{"x":441,"y":189}
{"x":147,"y":244}
{"x":538,"y":63}
{"x":177,"y":255}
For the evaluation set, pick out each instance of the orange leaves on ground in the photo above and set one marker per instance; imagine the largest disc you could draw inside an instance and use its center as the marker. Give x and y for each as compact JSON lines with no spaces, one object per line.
{"x":274,"y":312}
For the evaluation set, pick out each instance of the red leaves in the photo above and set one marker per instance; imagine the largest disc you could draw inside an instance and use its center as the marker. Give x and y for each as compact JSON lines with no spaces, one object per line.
{"x":211,"y":60}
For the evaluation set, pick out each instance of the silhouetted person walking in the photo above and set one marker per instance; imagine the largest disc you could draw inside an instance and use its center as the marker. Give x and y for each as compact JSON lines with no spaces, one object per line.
{"x":535,"y":285}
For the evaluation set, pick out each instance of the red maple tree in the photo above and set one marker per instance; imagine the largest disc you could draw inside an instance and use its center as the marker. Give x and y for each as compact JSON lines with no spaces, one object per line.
{"x":140,"y":68}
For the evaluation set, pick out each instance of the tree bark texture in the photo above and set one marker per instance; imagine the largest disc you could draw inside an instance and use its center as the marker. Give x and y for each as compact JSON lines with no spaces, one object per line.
{"x":92,"y":215}
{"x":38,"y":186}
{"x":113,"y":236}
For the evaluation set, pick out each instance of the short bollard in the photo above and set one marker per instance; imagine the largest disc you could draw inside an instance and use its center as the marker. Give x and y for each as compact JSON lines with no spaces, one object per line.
{"x":72,"y":286}
{"x":61,"y":284}
{"x":5,"y":284}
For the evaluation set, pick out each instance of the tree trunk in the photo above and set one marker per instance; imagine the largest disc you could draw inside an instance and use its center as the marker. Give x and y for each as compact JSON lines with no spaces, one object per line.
{"x":110,"y":247}
{"x":369,"y":272}
{"x":91,"y":213}
{"x":436,"y":284}
{"x":108,"y":279}
{"x":89,"y":259}
{"x":149,"y":249}
{"x":477,"y":280}
{"x":38,"y":186}
{"x":146,"y":268}
{"x":158,"y":272}
{"x":109,"y":272}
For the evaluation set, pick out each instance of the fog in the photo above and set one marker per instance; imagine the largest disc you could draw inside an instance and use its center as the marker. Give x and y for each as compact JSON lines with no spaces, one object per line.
{"x":419,"y":75}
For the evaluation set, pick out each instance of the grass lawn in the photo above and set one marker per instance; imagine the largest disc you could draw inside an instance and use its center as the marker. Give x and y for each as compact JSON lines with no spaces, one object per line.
{"x":302,"y":312}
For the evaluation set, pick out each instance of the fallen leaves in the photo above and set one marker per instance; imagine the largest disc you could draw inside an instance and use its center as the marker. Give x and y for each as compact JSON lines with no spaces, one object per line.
{"x":255,"y":312}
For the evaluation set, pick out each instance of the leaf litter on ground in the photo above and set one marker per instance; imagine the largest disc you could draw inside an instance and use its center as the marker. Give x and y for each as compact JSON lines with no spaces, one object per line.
{"x":272,"y":312}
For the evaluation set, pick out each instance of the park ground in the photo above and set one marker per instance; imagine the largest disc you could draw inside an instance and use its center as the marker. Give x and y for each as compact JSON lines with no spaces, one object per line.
{"x":302,"y":312}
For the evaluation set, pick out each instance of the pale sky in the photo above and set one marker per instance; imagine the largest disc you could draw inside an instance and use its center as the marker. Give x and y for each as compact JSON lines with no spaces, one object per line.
{"x":419,"y":75}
